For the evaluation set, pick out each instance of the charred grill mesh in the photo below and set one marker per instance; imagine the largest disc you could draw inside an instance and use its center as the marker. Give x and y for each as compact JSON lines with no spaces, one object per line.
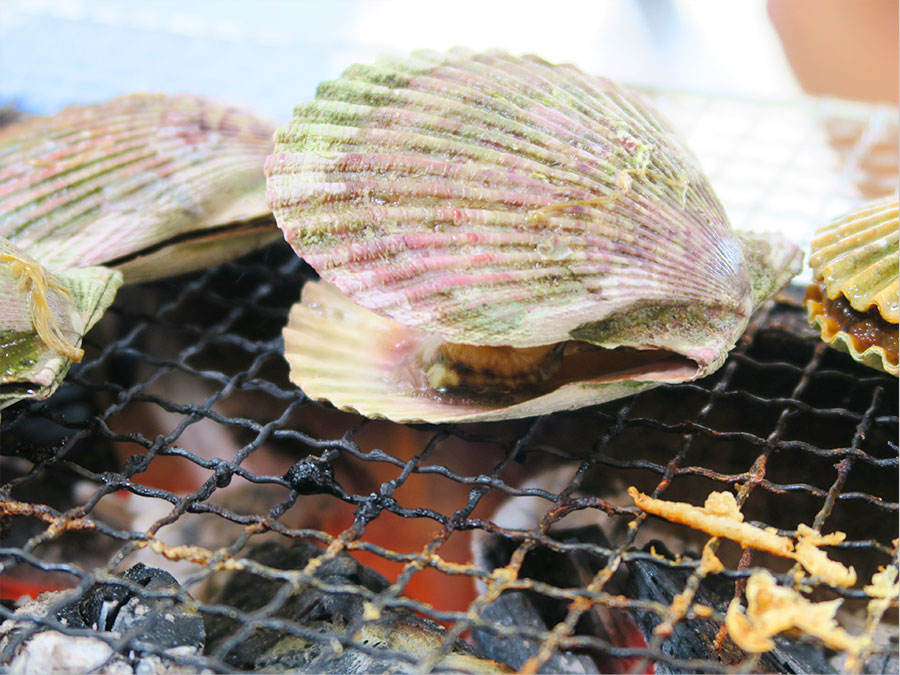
{"x":182,"y":410}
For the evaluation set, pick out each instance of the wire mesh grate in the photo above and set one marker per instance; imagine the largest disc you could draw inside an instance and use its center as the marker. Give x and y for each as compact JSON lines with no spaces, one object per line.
{"x":179,"y":443}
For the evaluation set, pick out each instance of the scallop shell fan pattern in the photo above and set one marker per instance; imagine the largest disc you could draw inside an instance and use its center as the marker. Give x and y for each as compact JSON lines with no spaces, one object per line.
{"x":857,"y":257}
{"x":855,"y":294}
{"x":491,"y":199}
{"x":116,"y":183}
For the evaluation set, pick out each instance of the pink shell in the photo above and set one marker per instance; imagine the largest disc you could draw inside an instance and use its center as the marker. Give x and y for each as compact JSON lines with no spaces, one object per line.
{"x":485,"y":199}
{"x":491,"y":199}
{"x":361,"y":362}
{"x":117,"y":182}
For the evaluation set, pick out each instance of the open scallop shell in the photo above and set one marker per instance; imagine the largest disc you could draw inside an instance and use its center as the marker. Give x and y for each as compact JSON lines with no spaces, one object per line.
{"x":490,"y":200}
{"x":43,"y":318}
{"x":855,"y":293}
{"x":152,"y":185}
{"x":359,"y":361}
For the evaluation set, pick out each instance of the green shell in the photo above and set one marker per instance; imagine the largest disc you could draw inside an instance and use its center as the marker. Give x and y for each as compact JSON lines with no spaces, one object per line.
{"x":498,"y":201}
{"x":858,"y":256}
{"x":151,"y":185}
{"x":856,"y":260}
{"x":34,"y":358}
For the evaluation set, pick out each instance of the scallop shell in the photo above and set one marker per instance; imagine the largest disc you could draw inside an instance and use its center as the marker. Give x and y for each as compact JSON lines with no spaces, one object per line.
{"x":493,"y":200}
{"x":856,"y":293}
{"x":152,"y":185}
{"x":43,"y":318}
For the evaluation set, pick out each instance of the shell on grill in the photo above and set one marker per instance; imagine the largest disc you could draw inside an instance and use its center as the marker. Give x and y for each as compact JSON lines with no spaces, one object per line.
{"x":43,"y":318}
{"x":855,"y":293}
{"x":501,"y":237}
{"x":152,"y":185}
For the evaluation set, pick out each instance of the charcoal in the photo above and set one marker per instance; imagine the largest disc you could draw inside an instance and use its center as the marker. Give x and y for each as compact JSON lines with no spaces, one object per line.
{"x":695,"y":639}
{"x":393,"y":642}
{"x":161,"y":622}
{"x":515,"y":609}
{"x":249,"y":592}
{"x":155,"y":628}
{"x":528,"y":609}
{"x":55,"y":652}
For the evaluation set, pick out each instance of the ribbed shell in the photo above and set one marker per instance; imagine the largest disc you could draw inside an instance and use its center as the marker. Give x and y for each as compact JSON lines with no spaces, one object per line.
{"x":858,"y":256}
{"x":97,"y":184}
{"x":492,"y":199}
{"x":361,"y":362}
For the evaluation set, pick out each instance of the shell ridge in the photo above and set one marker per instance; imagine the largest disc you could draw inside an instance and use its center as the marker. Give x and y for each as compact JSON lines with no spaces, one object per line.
{"x":595,"y":104}
{"x":168,"y":199}
{"x":510,"y":132}
{"x":673,"y":268}
{"x":534,"y":127}
{"x":856,"y":255}
{"x":75,"y":200}
{"x":78,"y":177}
{"x":59,"y":166}
{"x":651,"y":126}
{"x":492,"y":169}
{"x":876,"y":262}
{"x":514,"y":101}
{"x":869,"y":214}
{"x":85,"y":178}
{"x":615,"y":298}
{"x":686,"y":289}
{"x":851,"y":246}
{"x":351,"y":165}
{"x":422,"y":214}
{"x":577,"y":129}
{"x":658,"y":131}
{"x":430,"y":147}
{"x":450,"y":149}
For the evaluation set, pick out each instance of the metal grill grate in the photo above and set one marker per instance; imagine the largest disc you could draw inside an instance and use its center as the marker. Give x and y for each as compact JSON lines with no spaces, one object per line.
{"x":179,"y":442}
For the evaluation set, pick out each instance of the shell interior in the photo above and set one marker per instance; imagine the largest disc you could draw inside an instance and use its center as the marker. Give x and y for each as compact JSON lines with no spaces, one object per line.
{"x":363,"y":362}
{"x":502,"y":237}
{"x":866,"y":336}
{"x":855,"y":295}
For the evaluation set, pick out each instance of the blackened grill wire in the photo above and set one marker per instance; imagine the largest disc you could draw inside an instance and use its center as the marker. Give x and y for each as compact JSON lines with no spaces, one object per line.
{"x":123,"y":373}
{"x":370,"y":506}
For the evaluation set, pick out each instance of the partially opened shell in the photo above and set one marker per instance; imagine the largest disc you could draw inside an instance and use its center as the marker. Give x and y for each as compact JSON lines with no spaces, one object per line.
{"x":855,"y":293}
{"x":43,"y":317}
{"x":152,"y":185}
{"x":489,"y":200}
{"x":359,"y":361}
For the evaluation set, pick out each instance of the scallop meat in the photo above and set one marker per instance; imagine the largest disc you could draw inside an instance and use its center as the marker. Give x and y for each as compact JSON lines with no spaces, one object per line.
{"x":500,"y":237}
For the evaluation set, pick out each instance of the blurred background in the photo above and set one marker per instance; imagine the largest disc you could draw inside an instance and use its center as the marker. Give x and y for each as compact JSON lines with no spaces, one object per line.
{"x":270,"y":54}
